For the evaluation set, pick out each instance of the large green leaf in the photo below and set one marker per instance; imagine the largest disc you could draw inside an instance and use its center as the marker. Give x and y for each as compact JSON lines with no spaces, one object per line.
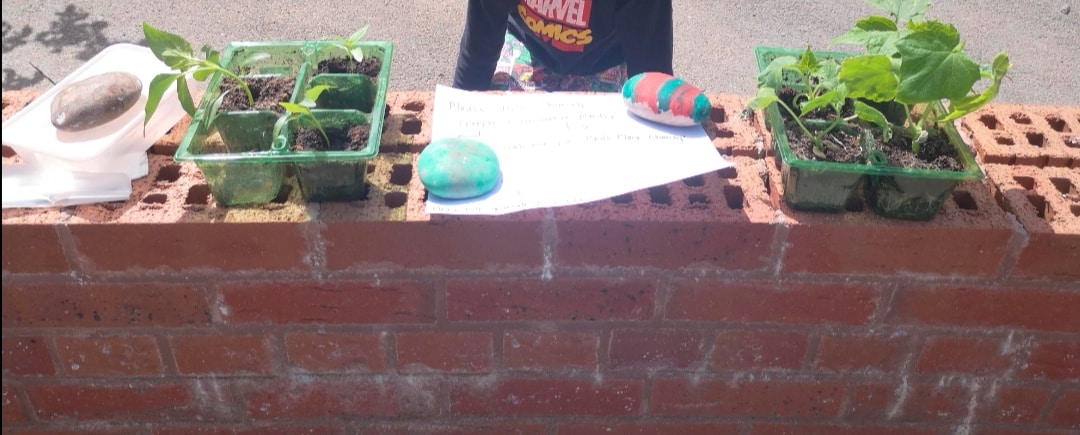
{"x":933,"y":65}
{"x":878,"y":34}
{"x":903,"y":10}
{"x":162,"y":43}
{"x":963,"y":106}
{"x":869,"y":76}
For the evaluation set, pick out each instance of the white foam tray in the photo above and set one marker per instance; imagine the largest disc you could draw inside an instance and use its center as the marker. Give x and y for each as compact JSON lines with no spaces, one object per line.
{"x":117,"y":146}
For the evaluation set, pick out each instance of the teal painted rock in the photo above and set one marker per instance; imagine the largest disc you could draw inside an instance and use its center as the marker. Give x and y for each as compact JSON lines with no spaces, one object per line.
{"x":665,"y":99}
{"x":458,"y":168}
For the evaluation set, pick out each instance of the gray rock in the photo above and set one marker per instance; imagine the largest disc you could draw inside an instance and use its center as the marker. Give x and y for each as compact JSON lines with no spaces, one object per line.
{"x":94,"y":101}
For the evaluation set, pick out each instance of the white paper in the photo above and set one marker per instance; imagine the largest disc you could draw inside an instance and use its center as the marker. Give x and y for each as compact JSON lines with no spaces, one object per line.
{"x":559,"y":149}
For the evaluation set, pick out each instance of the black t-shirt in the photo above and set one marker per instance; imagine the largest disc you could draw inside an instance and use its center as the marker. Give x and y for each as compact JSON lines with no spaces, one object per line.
{"x":567,"y":36}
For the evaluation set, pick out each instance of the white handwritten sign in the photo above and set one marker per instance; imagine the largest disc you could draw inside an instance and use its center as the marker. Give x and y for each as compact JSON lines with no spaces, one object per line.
{"x":559,"y":149}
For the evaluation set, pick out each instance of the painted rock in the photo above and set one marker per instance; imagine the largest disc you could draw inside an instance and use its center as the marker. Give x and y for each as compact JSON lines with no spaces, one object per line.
{"x":458,"y":168}
{"x":665,"y":99}
{"x":94,"y":101}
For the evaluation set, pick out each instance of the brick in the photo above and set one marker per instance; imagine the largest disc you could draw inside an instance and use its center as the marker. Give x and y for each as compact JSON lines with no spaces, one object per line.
{"x":27,"y":356}
{"x":474,"y":243}
{"x":649,"y":428}
{"x":869,"y":402}
{"x":656,"y":349}
{"x":100,"y":305}
{"x":773,"y":303}
{"x":666,"y":245}
{"x":33,"y":249}
{"x":285,"y":428}
{"x":722,"y":219}
{"x":557,"y":299}
{"x":460,"y":352}
{"x":1046,"y":201}
{"x":1015,"y":404}
{"x":408,"y":122}
{"x":1055,"y":360}
{"x":1029,"y":135}
{"x":194,"y":430}
{"x":336,"y":352}
{"x":233,"y":246}
{"x":1066,"y":410}
{"x":109,"y":356}
{"x":13,"y":412}
{"x":964,"y":355}
{"x":941,"y":402}
{"x":122,"y":402}
{"x":852,"y":353}
{"x":829,"y":429}
{"x":550,"y":350}
{"x":732,"y":134}
{"x":745,"y":349}
{"x":886,"y":246}
{"x":16,"y":99}
{"x":959,"y":306}
{"x":325,"y":302}
{"x":221,"y":354}
{"x":730,"y":397}
{"x":467,"y":428}
{"x":338,"y":398}
{"x":547,"y":397}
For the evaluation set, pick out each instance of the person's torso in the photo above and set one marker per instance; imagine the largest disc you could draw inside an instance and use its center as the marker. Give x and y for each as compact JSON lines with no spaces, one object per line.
{"x":569,"y":36}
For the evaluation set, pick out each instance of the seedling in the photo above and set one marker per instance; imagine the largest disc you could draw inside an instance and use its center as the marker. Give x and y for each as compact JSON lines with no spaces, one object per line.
{"x":301,"y":113}
{"x":920,"y":64}
{"x":351,"y":45}
{"x":815,"y":86}
{"x":176,"y":52}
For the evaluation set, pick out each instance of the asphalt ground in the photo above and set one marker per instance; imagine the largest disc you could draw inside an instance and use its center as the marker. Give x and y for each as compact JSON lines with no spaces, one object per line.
{"x":45,"y":40}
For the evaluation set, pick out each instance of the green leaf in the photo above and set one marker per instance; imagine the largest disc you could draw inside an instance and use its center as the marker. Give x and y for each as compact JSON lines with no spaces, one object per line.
{"x":878,"y":34}
{"x":903,"y":10}
{"x":869,"y":114}
{"x":933,"y":65}
{"x":184,"y":94}
{"x":158,"y":85}
{"x":293,"y":107}
{"x":764,"y":97}
{"x":161,"y":42}
{"x":827,"y":99}
{"x":869,"y":76}
{"x":358,"y":34}
{"x":357,"y":53}
{"x":773,"y":74}
{"x":963,"y":106}
{"x":827,"y":74}
{"x":808,"y":63}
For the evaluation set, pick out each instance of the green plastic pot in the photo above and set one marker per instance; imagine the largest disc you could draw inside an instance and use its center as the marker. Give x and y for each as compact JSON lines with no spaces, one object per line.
{"x":351,"y":91}
{"x":331,"y":175}
{"x":892,"y":191}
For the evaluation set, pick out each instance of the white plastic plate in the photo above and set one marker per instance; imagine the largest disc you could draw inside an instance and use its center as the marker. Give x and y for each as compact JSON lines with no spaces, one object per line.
{"x":117,"y":146}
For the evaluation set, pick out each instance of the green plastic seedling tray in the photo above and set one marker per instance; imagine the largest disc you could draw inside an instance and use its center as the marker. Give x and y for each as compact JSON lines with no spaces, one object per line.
{"x":829,"y":186}
{"x":255,"y":173}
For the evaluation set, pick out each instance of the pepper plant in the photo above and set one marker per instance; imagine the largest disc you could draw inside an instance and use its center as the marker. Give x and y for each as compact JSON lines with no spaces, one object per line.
{"x":301,"y":112}
{"x":351,"y":45}
{"x":176,"y":52}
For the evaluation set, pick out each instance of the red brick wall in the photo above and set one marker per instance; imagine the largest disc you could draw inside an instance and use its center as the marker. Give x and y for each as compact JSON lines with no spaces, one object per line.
{"x":690,"y":315}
